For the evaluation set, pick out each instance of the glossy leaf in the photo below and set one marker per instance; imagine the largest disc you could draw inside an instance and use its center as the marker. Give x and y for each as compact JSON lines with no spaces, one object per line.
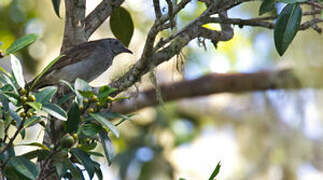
{"x":107,"y":146}
{"x":32,"y":121}
{"x":4,"y":71}
{"x":105,"y":123}
{"x":90,"y":129}
{"x":21,"y":43}
{"x":55,"y":111}
{"x":73,"y":118}
{"x":85,"y":160}
{"x":287,"y":26}
{"x":23,"y":166}
{"x":67,"y":84}
{"x":291,"y":1}
{"x":105,"y":91}
{"x":40,"y":154}
{"x":61,"y":169}
{"x":266,"y":6}
{"x":93,"y":153}
{"x":15,"y":117}
{"x":35,"y":144}
{"x":86,"y":94}
{"x":10,"y":152}
{"x":4,"y":102}
{"x":82,"y":85}
{"x":17,"y":71}
{"x":44,"y":71}
{"x":65,"y":98}
{"x":121,"y":25}
{"x":74,"y":170}
{"x":2,"y":129}
{"x":46,"y":94}
{"x":98,"y":171}
{"x":35,"y":105}
{"x":215,"y":171}
{"x":56,"y":5}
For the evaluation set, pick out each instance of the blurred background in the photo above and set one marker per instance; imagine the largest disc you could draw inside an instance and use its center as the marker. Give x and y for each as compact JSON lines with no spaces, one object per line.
{"x":270,"y":135}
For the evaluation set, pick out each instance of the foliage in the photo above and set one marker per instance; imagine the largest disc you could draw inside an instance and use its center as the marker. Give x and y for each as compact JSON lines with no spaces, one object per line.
{"x":86,"y":124}
{"x":287,"y":24}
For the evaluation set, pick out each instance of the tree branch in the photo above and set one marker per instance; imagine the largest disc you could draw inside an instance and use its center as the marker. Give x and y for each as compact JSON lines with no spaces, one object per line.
{"x":212,"y":84}
{"x":99,"y":15}
{"x":74,"y":23}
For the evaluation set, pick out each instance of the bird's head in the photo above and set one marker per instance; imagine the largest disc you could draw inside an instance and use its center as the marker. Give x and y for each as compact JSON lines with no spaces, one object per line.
{"x":116,"y":46}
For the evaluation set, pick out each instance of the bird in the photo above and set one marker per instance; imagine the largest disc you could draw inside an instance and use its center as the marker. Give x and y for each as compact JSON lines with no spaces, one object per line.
{"x":86,"y":61}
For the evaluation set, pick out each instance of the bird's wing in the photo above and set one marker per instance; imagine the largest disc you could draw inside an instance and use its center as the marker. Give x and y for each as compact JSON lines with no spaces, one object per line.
{"x":74,"y":55}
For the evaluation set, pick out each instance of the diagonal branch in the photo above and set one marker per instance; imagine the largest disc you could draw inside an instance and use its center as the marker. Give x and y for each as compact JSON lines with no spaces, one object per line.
{"x":99,"y":15}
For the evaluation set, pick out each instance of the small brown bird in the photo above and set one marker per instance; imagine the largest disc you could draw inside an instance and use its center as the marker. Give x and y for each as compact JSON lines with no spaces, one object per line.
{"x":86,"y":61}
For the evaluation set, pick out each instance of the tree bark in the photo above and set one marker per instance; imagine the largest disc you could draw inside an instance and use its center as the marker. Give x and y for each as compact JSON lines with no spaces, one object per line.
{"x":212,"y":84}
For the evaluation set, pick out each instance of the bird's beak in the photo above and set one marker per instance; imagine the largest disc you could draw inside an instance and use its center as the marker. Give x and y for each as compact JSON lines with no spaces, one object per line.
{"x":127,"y":51}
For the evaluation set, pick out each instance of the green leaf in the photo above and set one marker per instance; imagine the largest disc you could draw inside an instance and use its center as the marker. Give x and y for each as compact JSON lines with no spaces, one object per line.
{"x":86,"y":94}
{"x":105,"y":91}
{"x":15,"y":116}
{"x":21,"y":43}
{"x":35,"y":105}
{"x":46,"y":94}
{"x":215,"y":171}
{"x":107,"y":146}
{"x":82,"y":85}
{"x":67,"y":84}
{"x":2,"y":129}
{"x":90,"y":129}
{"x":17,"y":71}
{"x":10,"y":152}
{"x":93,"y":153}
{"x":76,"y":172}
{"x":44,"y":71}
{"x":105,"y":123}
{"x":65,"y":98}
{"x":266,"y":6}
{"x":4,"y":71}
{"x":121,"y":25}
{"x":98,"y":171}
{"x":85,"y":160}
{"x":4,"y":102}
{"x":63,"y":166}
{"x":7,"y":80}
{"x":23,"y":166}
{"x":291,"y":1}
{"x":61,"y":169}
{"x":73,"y":118}
{"x":32,"y":121}
{"x":56,"y":5}
{"x":36,"y":144}
{"x":38,"y":153}
{"x":287,"y":26}
{"x":322,"y":14}
{"x":55,"y":111}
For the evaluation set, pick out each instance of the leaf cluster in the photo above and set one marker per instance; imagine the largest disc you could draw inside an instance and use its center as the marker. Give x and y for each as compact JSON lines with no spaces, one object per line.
{"x":87,"y":123}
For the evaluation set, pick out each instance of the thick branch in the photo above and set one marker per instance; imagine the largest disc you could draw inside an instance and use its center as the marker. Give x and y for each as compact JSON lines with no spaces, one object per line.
{"x":74,"y":31}
{"x":99,"y":15}
{"x":212,"y":84}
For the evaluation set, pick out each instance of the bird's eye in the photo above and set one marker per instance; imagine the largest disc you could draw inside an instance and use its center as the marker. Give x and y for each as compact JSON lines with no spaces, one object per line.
{"x":115,"y":43}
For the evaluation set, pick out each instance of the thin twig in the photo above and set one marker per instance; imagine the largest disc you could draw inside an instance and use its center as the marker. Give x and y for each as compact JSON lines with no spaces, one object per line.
{"x":157,"y":9}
